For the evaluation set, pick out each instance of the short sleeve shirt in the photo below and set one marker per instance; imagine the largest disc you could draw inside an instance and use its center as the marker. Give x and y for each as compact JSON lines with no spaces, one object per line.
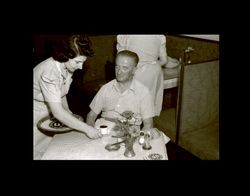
{"x":111,"y":102}
{"x":50,"y":85}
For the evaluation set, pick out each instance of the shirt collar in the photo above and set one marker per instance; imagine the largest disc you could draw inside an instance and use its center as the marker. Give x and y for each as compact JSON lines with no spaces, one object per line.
{"x":59,"y":69}
{"x":132,"y":86}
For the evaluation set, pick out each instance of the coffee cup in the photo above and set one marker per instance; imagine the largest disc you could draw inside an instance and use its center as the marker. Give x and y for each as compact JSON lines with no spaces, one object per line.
{"x":103,"y":129}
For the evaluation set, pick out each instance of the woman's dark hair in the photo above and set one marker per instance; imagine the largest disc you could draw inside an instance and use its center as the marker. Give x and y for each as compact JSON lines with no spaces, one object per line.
{"x":71,"y":46}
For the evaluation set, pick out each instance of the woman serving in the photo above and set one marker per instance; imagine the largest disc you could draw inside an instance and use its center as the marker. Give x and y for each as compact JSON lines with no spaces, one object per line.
{"x":51,"y":82}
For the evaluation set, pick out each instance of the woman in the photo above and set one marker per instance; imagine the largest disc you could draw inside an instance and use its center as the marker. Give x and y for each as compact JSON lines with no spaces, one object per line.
{"x":52,"y":79}
{"x":152,"y":53}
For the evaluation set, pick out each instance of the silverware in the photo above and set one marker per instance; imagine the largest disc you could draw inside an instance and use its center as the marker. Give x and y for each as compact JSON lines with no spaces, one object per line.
{"x":114,"y":146}
{"x":117,"y":143}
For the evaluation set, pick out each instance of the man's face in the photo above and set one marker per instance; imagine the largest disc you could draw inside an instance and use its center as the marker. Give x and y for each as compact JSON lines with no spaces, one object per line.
{"x":75,"y":63}
{"x":124,"y":69}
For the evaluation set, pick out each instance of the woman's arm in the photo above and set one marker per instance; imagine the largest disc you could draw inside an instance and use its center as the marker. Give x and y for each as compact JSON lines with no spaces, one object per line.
{"x":163,"y":60}
{"x":65,"y":104}
{"x":91,"y":117}
{"x":121,"y":42}
{"x":69,"y":120}
{"x":163,"y":55}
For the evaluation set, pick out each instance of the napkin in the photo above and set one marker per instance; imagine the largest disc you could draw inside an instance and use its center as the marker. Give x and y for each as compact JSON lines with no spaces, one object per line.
{"x":172,"y":63}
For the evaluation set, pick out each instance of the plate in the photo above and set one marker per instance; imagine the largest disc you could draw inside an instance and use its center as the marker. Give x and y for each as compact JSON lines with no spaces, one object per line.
{"x":52,"y":124}
{"x":153,"y":156}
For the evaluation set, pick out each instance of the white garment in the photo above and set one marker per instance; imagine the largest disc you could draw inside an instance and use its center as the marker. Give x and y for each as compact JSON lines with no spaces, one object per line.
{"x":111,"y":102}
{"x":49,"y":84}
{"x":149,"y":72}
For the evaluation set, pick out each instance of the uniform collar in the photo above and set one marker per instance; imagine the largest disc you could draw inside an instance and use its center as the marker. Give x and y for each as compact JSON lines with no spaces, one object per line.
{"x":58,"y":66}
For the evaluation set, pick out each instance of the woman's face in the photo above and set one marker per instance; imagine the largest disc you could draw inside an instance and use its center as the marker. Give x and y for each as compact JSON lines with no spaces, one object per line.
{"x":75,"y":63}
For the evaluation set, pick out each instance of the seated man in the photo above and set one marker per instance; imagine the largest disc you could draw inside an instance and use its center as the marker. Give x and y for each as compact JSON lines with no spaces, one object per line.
{"x":123,"y":94}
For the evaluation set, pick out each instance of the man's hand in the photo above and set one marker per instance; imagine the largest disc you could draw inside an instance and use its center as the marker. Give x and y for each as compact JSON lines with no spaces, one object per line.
{"x":154,"y":133}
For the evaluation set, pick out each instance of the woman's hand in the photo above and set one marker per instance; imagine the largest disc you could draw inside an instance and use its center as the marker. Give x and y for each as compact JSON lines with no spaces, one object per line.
{"x":93,"y":133}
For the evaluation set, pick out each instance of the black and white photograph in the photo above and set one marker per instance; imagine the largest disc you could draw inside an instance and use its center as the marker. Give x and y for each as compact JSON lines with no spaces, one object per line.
{"x":149,"y":97}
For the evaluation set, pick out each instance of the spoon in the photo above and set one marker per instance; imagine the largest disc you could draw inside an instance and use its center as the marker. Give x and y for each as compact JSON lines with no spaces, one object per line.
{"x":114,"y":146}
{"x":116,"y":143}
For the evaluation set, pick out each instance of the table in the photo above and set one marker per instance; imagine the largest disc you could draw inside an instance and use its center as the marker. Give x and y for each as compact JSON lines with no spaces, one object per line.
{"x":77,"y":146}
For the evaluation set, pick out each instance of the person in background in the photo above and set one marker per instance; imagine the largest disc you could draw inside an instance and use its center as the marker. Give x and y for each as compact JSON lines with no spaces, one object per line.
{"x":51,"y":82}
{"x":152,"y":53}
{"x":122,"y":94}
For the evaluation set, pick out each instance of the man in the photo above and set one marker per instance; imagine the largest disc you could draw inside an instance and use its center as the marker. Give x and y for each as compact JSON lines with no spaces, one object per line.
{"x":152,"y":53}
{"x":123,"y":94}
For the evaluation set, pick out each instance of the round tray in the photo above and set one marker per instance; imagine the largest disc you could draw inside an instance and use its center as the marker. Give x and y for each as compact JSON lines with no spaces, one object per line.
{"x":53,"y":125}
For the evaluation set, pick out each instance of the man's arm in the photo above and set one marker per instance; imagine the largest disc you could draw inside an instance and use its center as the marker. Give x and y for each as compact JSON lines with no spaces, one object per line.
{"x":147,"y":124}
{"x":91,"y":117}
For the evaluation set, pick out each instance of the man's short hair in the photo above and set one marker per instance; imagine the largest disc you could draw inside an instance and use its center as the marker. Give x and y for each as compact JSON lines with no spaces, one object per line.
{"x":130,"y":54}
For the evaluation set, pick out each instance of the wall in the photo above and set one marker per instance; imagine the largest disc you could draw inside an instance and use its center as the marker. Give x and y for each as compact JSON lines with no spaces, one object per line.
{"x":213,"y":37}
{"x":104,"y":47}
{"x":204,"y":50}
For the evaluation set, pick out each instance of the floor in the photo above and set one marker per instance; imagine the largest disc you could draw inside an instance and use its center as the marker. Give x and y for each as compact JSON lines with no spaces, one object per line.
{"x":177,"y":153}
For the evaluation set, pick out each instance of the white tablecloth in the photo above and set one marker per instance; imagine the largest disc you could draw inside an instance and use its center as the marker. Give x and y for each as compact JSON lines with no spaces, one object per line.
{"x":76,"y":146}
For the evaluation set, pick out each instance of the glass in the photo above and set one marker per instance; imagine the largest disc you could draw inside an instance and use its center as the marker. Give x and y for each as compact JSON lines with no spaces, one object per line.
{"x":129,"y":145}
{"x":141,"y":138}
{"x":147,"y":145}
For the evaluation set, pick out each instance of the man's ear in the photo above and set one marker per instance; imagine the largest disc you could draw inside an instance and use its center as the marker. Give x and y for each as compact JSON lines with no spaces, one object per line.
{"x":134,"y":69}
